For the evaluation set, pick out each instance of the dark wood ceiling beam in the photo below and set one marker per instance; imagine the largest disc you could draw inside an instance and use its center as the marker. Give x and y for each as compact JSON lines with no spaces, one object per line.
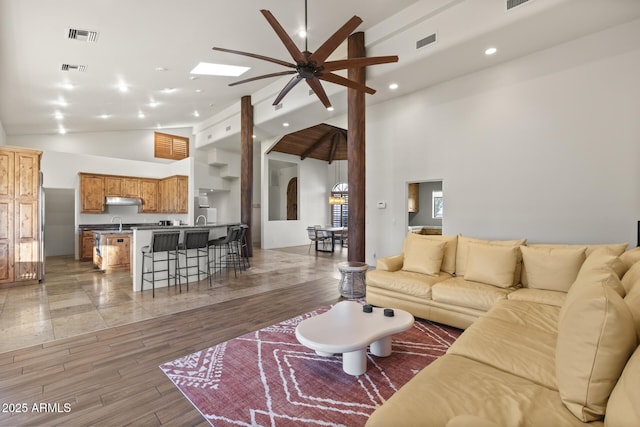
{"x":335,"y":140}
{"x":318,"y":143}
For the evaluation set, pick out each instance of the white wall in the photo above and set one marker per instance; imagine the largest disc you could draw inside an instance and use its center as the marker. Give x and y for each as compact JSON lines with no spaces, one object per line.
{"x":544,"y":147}
{"x":313,"y":207}
{"x":3,"y":135}
{"x":131,"y":145}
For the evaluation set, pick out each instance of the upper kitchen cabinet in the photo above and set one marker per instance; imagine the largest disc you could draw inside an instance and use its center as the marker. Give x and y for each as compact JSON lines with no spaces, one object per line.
{"x":20,"y":241}
{"x":174,"y":194}
{"x":118,"y":186}
{"x":149,"y":195}
{"x":92,"y":193}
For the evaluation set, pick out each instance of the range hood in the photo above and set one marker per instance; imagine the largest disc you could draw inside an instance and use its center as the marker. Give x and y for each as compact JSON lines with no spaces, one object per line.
{"x":123,"y":201}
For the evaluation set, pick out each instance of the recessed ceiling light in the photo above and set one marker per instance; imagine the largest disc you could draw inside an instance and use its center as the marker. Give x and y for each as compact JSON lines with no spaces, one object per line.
{"x":330,"y":108}
{"x":193,"y":77}
{"x":140,"y":115}
{"x":253,"y":136}
{"x":169,"y":89}
{"x":393,"y":86}
{"x":104,"y":116}
{"x":285,"y":124}
{"x":198,"y":90}
{"x":62,"y":102}
{"x":158,"y":126}
{"x":123,"y":87}
{"x":490,"y":51}
{"x":196,"y":114}
{"x":209,"y":69}
{"x":67,"y":86}
{"x":302,"y":34}
{"x":161,"y":69}
{"x":58,"y":115}
{"x":62,"y":130}
{"x":153,"y":104}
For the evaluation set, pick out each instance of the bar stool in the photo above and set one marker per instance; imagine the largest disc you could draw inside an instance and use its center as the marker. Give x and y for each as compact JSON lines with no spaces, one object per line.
{"x":161,"y":242}
{"x":223,"y":251}
{"x":244,"y":251}
{"x":194,"y":246}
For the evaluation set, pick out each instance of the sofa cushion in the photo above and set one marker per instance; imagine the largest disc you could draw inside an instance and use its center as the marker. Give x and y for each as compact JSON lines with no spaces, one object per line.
{"x":450,"y":248}
{"x":596,"y":336}
{"x":463,"y":252}
{"x":631,"y":283}
{"x":630,"y":257}
{"x":454,"y":385}
{"x":527,"y":314}
{"x":539,"y":296}
{"x":623,"y":408}
{"x":491,"y":264}
{"x":554,"y":269}
{"x":406,"y":282}
{"x":616,"y":249}
{"x":604,"y":256}
{"x":423,"y":256}
{"x":518,"y":349}
{"x":465,"y":293}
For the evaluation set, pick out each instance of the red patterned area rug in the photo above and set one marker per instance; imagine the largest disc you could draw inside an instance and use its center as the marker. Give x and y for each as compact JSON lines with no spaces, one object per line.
{"x":267,"y":378}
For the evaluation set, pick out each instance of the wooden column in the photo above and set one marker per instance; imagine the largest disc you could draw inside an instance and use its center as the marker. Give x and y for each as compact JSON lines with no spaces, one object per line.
{"x":246,"y":168}
{"x":356,"y":151}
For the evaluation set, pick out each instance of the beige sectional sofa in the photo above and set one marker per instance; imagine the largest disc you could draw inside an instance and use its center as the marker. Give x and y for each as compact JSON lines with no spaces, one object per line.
{"x":551,"y":335}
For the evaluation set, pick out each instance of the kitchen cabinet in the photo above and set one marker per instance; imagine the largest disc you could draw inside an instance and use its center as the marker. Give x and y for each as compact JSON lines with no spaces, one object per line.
{"x":114,"y":252}
{"x":87,"y":241}
{"x":92,"y":191}
{"x":149,"y":195}
{"x":19,"y":222}
{"x":414,"y":198}
{"x":174,"y":194}
{"x":168,"y":195}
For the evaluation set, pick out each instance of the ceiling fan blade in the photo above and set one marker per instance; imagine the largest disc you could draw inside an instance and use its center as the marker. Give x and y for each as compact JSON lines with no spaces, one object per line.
{"x":339,"y":80}
{"x":295,"y":53}
{"x":254,"y":55}
{"x":358,"y":62}
{"x":317,"y":88}
{"x":294,"y":81}
{"x":332,"y":43}
{"x":264,"y":76}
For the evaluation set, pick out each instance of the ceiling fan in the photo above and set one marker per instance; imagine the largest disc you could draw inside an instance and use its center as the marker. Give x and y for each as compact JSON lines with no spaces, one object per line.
{"x":313,"y":67}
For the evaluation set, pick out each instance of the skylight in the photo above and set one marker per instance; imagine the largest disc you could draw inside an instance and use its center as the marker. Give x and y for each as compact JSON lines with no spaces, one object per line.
{"x":209,"y":69}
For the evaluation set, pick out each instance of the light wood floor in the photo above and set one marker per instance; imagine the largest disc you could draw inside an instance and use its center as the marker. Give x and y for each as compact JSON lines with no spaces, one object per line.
{"x":111,"y":377}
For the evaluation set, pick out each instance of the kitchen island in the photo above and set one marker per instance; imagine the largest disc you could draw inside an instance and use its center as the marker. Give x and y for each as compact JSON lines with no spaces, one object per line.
{"x":142,"y":237}
{"x":112,"y":249}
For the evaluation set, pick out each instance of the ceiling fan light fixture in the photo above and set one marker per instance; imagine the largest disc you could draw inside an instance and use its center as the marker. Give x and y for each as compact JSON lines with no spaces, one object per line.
{"x":224,"y":70}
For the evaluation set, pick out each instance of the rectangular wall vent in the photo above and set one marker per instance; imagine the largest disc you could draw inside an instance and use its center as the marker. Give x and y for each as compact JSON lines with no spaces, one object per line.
{"x":70,"y":67}
{"x":279,"y":106}
{"x":514,"y":3}
{"x":426,"y":41}
{"x":228,"y":128}
{"x":82,"y":35}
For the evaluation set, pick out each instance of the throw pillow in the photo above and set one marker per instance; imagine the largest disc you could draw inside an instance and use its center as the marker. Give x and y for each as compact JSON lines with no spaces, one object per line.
{"x":622,"y":408}
{"x":554,"y":269}
{"x":450,"y":247}
{"x":630,"y":257}
{"x":491,"y":264}
{"x":423,"y":256}
{"x":463,"y":250}
{"x":595,"y":339}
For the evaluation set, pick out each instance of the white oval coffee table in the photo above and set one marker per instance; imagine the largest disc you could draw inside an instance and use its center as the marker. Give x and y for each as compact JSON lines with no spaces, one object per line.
{"x":346,"y":329}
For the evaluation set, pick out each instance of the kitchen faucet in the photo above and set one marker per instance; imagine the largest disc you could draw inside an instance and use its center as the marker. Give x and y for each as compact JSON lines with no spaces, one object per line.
{"x":119,"y":218}
{"x":203,"y":217}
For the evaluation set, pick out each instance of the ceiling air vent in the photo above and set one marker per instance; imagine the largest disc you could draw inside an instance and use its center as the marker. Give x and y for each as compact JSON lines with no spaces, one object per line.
{"x":82,"y":35}
{"x":426,"y":41}
{"x":69,"y":67}
{"x":279,"y":106}
{"x":514,"y":3}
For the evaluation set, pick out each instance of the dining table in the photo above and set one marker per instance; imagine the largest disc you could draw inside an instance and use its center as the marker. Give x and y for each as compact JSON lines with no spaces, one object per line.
{"x":335,"y":232}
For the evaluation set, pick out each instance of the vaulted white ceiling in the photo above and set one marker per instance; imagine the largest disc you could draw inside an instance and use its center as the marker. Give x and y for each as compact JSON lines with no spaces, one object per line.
{"x":137,"y":37}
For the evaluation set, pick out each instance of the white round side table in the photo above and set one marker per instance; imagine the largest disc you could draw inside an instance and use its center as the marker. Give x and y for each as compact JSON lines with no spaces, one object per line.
{"x":353,"y":279}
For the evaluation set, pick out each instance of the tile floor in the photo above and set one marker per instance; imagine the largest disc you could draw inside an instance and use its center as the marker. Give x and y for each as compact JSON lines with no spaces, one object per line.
{"x":74,"y":298}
